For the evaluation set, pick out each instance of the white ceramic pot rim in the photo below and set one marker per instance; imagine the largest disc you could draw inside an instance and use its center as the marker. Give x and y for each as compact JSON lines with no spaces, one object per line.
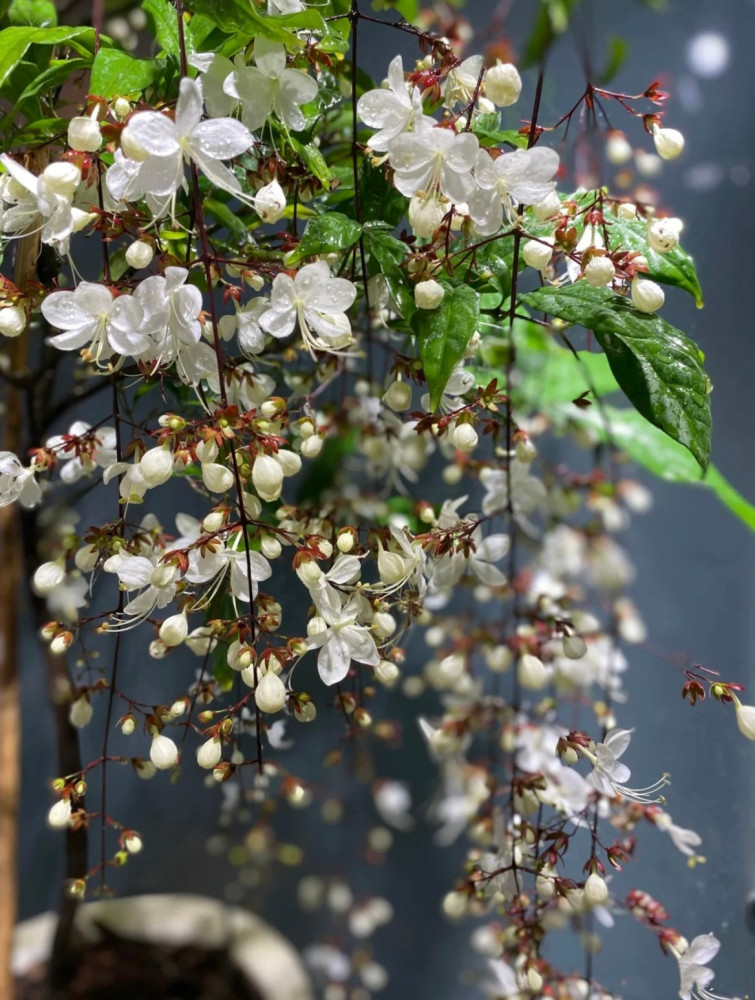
{"x":264,"y":956}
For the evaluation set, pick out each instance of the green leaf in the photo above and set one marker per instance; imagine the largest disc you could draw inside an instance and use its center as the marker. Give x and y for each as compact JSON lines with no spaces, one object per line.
{"x":313,"y":160}
{"x":408,"y":9}
{"x":631,"y":433}
{"x":40,"y":131}
{"x":118,"y":74}
{"x":488,"y":130}
{"x":618,"y":50}
{"x":38,"y":13}
{"x":443,"y":335}
{"x":656,"y":365}
{"x":673,"y":268}
{"x":551,"y":22}
{"x":15,"y":41}
{"x":389,"y":253}
{"x":325,"y":234}
{"x":380,"y":200}
{"x":164,"y":24}
{"x":241,"y":15}
{"x":60,"y":70}
{"x":227,"y":218}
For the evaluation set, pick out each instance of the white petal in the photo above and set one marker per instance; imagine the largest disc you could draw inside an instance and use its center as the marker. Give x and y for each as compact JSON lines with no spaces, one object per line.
{"x":222,"y":138}
{"x":154,"y":132}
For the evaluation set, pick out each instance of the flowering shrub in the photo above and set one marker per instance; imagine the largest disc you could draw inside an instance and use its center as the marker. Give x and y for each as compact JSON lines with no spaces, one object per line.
{"x":327,"y":325}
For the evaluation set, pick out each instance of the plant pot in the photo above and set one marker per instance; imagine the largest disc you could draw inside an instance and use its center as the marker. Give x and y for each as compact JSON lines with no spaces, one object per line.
{"x":266,"y":960}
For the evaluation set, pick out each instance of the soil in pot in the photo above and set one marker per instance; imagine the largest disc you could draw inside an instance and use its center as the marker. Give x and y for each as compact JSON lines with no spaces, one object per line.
{"x":118,"y":968}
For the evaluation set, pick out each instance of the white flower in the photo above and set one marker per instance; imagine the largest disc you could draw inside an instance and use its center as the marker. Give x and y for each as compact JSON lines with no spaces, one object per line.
{"x":527,"y":492}
{"x":523,"y":177}
{"x":478,"y":562}
{"x":269,"y":86}
{"x":460,"y":85}
{"x":17,"y":482}
{"x":608,"y":774}
{"x":393,"y":110}
{"x":503,"y":85}
{"x":318,"y":302}
{"x":694,"y":974}
{"x":84,"y":133}
{"x":270,"y":693}
{"x":340,"y":642}
{"x":91,"y":316}
{"x":270,"y":202}
{"x":683,"y":840}
{"x":393,"y":801}
{"x":215,"y":70}
{"x":168,"y":143}
{"x":50,"y":196}
{"x":436,"y":158}
{"x":156,"y":580}
{"x":745,"y":718}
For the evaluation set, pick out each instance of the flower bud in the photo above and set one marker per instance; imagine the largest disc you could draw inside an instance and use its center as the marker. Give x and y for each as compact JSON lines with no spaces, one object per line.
{"x":174,"y":630}
{"x":12,"y":321}
{"x":425,"y":215}
{"x":289,"y":461}
{"x":85,"y":558}
{"x":663,"y":234}
{"x":669,"y":142}
{"x":62,"y":178}
{"x":575,"y":647}
{"x":383,"y":624}
{"x":538,"y":253}
{"x":398,"y":396}
{"x":454,"y":905}
{"x":311,"y":446}
{"x":270,"y":694}
{"x":391,"y":568}
{"x":156,"y":466}
{"x":549,"y":206}
{"x":213,"y":521}
{"x":209,"y":754}
{"x":618,"y":149}
{"x":532,"y":673}
{"x":47,"y":577}
{"x":498,"y":658}
{"x":131,"y":147}
{"x":465,"y":437}
{"x":84,"y":134}
{"x":61,"y":642}
{"x":267,"y":476}
{"x":139,"y":254}
{"x":145,"y":769}
{"x":270,"y":547}
{"x":80,"y":713}
{"x":429,"y":294}
{"x":596,"y":890}
{"x":503,"y":85}
{"x":387,"y":673}
{"x":534,"y":980}
{"x":627,"y":210}
{"x":121,"y":108}
{"x":163,"y":752}
{"x":309,"y":573}
{"x":306,"y":712}
{"x":217,"y":478}
{"x":647,"y":296}
{"x":745,"y":719}
{"x":59,"y":816}
{"x":270,"y":202}
{"x":127,"y":724}
{"x":599,"y":272}
{"x":132,"y":842}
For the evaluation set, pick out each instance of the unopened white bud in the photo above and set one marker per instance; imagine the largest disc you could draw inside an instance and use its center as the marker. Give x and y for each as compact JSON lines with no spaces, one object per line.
{"x":174,"y":629}
{"x":270,"y":693}
{"x":132,"y":147}
{"x":267,"y":476}
{"x":532,"y":673}
{"x":139,"y":254}
{"x":398,"y":395}
{"x":498,"y":658}
{"x":62,"y":178}
{"x":12,"y":321}
{"x":133,"y":843}
{"x":47,"y":577}
{"x":213,"y":521}
{"x":575,"y":647}
{"x":647,"y":296}
{"x":663,"y":234}
{"x":345,"y":543}
{"x":217,"y":478}
{"x":383,"y":624}
{"x":121,"y":107}
{"x":745,"y":719}
{"x":391,"y":568}
{"x":596,"y":889}
{"x":128,"y":725}
{"x":627,"y":210}
{"x":425,"y":215}
{"x":309,"y":573}
{"x":85,"y":558}
{"x":156,"y":466}
{"x":429,"y":294}
{"x":80,"y":713}
{"x":599,"y":272}
{"x":270,"y":547}
{"x":503,"y":85}
{"x":387,"y":673}
{"x":311,"y":446}
{"x":59,"y":816}
{"x":549,"y":206}
{"x":465,"y":437}
{"x":289,"y":461}
{"x":84,"y":134}
{"x":454,"y":905}
{"x":538,"y":253}
{"x":669,"y":142}
{"x":163,"y":752}
{"x":270,"y":202}
{"x":618,"y":148}
{"x":534,"y":981}
{"x":209,"y":754}
{"x":306,"y":712}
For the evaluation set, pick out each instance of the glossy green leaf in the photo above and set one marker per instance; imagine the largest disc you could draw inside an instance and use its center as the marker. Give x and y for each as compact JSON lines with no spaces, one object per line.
{"x":164,"y":24}
{"x":325,"y":233}
{"x":313,"y":160}
{"x":242,"y":15}
{"x":118,"y":74}
{"x":15,"y":41}
{"x":389,"y":254}
{"x":37,"y":13}
{"x":673,"y":268}
{"x":59,"y":71}
{"x":443,"y":334}
{"x":408,"y":9}
{"x":656,"y":365}
{"x":380,"y":201}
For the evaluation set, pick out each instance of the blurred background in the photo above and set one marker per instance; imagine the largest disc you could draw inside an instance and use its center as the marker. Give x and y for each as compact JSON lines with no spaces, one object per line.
{"x":695,"y":581}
